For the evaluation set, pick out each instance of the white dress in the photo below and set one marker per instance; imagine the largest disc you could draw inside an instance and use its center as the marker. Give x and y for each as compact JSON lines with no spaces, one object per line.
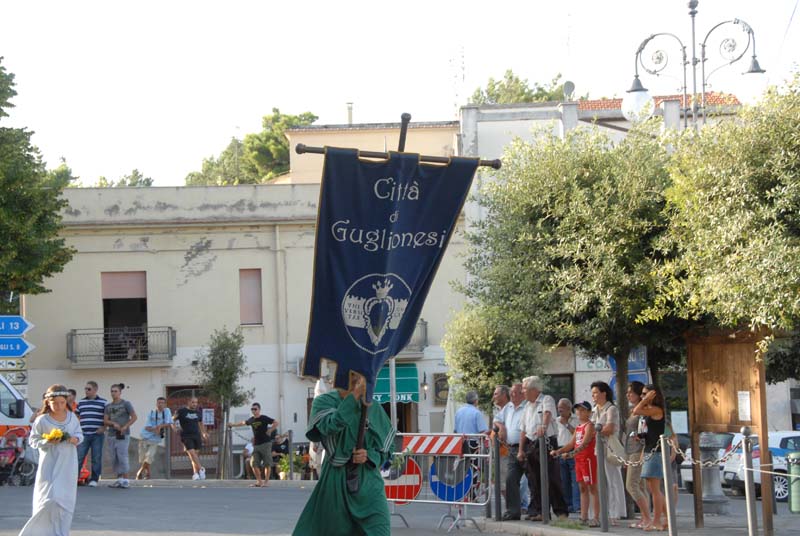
{"x":56,"y":478}
{"x":609,"y":415}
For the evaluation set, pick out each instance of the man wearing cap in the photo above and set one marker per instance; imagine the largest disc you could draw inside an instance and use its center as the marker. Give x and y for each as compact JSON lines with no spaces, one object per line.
{"x":91,"y":410}
{"x":539,"y":420}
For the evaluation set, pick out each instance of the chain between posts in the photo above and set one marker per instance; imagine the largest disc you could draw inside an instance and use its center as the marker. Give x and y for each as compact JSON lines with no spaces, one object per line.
{"x":710,"y":463}
{"x":646,"y":457}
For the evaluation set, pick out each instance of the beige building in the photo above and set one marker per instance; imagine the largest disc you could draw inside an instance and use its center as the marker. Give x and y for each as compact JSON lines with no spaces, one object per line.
{"x":157,"y":270}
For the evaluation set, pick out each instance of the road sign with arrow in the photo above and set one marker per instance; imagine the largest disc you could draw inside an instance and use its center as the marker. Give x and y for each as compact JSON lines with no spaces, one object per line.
{"x":14,"y":325}
{"x":12,"y":364}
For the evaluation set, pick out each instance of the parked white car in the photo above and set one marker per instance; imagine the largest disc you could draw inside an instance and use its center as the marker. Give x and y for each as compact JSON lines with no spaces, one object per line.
{"x":780,"y":445}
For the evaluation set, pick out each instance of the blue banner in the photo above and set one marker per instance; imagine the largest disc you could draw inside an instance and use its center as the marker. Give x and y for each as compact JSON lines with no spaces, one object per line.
{"x":382,"y":229}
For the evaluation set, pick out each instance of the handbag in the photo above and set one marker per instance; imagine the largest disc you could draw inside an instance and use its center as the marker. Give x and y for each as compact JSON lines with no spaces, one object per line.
{"x":614,"y":448}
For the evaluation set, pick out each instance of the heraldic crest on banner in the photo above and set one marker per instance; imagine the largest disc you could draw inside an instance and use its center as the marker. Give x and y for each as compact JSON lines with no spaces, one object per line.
{"x":372,"y":306}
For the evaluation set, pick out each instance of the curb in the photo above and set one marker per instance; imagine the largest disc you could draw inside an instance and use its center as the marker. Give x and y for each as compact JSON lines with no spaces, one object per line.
{"x":244,"y":484}
{"x":531,"y":529}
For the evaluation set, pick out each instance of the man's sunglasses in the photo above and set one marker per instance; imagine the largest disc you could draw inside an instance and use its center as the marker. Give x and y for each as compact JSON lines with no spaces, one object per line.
{"x":254,"y":409}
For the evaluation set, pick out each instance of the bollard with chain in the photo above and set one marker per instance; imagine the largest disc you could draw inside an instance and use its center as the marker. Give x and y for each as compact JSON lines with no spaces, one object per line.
{"x":544,"y":478}
{"x":669,"y":480}
{"x":793,"y":461}
{"x":291,"y":456}
{"x":749,"y":484}
{"x":602,"y":479}
{"x":167,"y":455}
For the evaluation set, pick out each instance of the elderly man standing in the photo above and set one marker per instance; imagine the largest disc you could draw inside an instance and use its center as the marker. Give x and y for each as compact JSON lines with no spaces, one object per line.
{"x":508,"y":421}
{"x":566,"y":423}
{"x":539,"y":419}
{"x":469,"y":419}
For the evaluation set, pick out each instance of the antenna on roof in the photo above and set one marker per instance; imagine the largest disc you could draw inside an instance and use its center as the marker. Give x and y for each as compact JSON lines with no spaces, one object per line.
{"x":569,"y":90}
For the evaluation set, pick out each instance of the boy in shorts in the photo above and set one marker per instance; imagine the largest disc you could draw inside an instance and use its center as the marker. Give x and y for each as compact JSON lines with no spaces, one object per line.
{"x":581,"y":447}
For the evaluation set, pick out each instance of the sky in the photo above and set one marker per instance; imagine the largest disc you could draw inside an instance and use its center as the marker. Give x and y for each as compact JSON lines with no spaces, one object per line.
{"x":159,"y":85}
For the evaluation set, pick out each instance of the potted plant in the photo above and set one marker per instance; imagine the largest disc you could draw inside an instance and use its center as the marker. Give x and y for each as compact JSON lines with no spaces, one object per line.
{"x":283,"y":467}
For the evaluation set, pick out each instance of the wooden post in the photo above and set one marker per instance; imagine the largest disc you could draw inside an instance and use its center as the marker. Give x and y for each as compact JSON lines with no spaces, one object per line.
{"x":767,"y":488}
{"x":697,"y":478}
{"x":727,"y":390}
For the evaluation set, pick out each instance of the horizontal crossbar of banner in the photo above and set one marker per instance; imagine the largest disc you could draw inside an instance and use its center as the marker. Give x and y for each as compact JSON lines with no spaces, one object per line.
{"x":301,"y":148}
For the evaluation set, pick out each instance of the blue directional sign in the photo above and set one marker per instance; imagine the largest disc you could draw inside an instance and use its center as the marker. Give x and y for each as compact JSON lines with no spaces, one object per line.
{"x":14,"y":347}
{"x":11,"y":326}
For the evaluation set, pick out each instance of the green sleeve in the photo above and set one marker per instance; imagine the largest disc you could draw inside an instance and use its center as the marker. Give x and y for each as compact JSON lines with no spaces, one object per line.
{"x":380,"y":442}
{"x":328,"y":419}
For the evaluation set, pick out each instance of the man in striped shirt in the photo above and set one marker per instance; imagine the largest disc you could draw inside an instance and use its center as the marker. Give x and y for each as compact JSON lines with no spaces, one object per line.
{"x":90,"y":411}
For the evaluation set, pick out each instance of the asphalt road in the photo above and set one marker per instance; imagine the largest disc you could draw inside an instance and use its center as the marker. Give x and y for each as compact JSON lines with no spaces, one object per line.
{"x":196,"y":511}
{"x":220,"y":509}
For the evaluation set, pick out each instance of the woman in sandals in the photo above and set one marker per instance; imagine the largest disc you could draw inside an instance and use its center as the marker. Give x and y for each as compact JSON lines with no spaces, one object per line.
{"x":651,"y":407}
{"x":634,"y":445}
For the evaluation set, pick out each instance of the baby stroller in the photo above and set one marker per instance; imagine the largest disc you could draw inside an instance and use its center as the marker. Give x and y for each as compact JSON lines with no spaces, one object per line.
{"x":15,"y":468}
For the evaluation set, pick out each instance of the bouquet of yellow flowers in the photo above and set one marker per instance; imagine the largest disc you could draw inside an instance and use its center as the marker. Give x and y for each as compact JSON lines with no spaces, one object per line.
{"x":56,"y":435}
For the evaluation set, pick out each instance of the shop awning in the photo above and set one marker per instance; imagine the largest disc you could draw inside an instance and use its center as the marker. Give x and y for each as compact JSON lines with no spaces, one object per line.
{"x":407,"y":386}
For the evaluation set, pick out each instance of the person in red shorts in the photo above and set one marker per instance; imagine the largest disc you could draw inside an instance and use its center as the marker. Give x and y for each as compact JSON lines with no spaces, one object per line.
{"x":581,"y":447}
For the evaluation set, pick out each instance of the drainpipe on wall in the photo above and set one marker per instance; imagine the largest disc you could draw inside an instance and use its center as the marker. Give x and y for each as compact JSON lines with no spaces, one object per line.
{"x":280,"y":321}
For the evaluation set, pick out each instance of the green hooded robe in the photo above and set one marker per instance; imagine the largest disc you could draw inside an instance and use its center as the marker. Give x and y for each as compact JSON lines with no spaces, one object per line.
{"x":332,"y":510}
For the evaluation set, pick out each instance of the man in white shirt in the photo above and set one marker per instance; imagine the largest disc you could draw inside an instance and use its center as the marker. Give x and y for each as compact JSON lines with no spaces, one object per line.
{"x":566,"y":422}
{"x":508,"y":422}
{"x":539,"y":419}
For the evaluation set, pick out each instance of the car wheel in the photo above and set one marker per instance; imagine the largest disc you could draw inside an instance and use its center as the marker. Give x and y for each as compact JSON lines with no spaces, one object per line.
{"x":780,"y":484}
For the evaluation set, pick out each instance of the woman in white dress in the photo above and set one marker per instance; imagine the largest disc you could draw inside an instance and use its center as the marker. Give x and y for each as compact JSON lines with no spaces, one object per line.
{"x":55,"y":489}
{"x":607,"y":414}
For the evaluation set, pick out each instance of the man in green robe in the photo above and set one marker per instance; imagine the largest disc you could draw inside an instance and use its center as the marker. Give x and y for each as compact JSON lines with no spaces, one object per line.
{"x":332,"y":510}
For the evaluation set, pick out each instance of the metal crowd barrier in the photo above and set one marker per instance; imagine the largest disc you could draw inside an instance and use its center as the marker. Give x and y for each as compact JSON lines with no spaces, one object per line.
{"x":450,"y":469}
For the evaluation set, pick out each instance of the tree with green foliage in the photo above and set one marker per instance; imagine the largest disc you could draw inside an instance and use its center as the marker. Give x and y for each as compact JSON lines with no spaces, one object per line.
{"x":566,"y":252}
{"x":268,"y":150}
{"x":512,"y":89}
{"x":63,"y":175}
{"x":483,"y":351}
{"x":30,"y":204}
{"x":134,"y":179}
{"x":260,"y":158}
{"x":219,"y":371}
{"x":230,"y":168}
{"x":734,"y":211}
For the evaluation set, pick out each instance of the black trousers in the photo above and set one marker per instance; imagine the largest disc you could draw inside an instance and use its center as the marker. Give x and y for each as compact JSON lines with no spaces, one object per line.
{"x":515,"y":471}
{"x":556,"y":491}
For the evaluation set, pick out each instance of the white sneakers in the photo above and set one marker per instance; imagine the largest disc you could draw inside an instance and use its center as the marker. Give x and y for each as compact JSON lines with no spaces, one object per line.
{"x":202,"y":473}
{"x":93,"y":483}
{"x":125,"y":483}
{"x":195,"y":477}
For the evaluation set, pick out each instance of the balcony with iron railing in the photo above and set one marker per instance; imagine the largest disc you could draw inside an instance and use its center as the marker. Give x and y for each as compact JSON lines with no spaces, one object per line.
{"x":121,"y":347}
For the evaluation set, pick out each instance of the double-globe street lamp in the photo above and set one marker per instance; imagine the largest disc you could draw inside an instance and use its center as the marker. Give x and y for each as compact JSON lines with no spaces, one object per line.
{"x":636,"y":102}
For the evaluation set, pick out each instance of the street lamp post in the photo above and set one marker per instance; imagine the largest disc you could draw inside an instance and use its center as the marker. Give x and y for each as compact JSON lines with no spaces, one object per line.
{"x":636,"y":102}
